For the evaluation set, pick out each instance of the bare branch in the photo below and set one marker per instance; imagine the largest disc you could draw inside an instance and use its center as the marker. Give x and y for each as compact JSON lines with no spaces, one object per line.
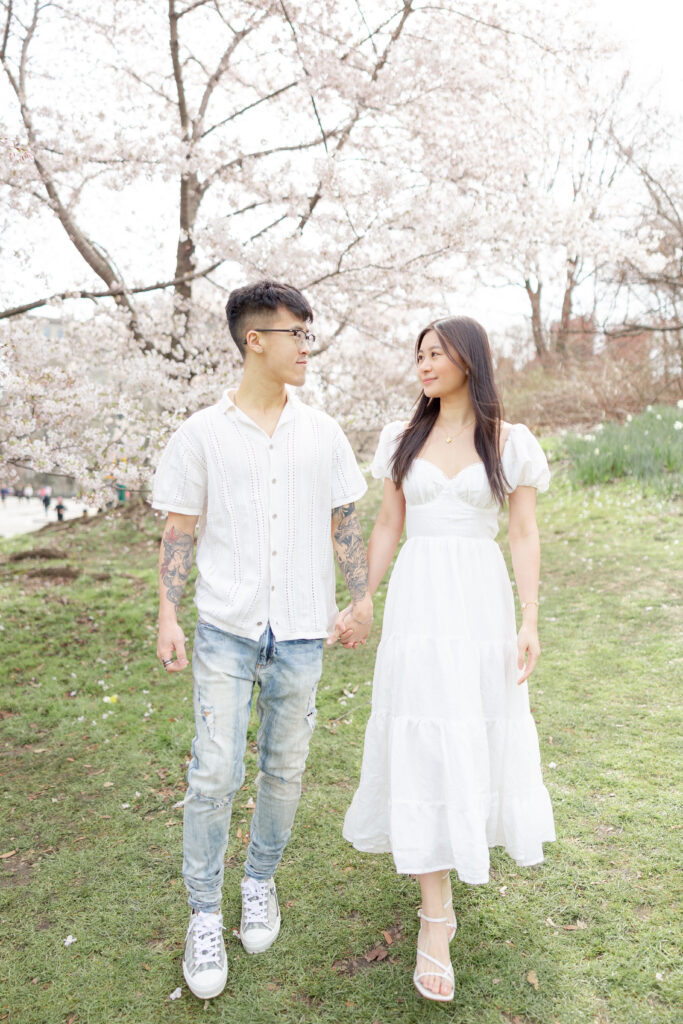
{"x":250,"y":106}
{"x":109,"y":293}
{"x":177,"y":68}
{"x":191,"y":7}
{"x":345,"y":134}
{"x":215,"y":78}
{"x":5,"y":35}
{"x":312,"y":97}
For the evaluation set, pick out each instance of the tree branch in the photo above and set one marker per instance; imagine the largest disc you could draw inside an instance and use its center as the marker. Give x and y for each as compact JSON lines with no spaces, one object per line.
{"x":109,"y":293}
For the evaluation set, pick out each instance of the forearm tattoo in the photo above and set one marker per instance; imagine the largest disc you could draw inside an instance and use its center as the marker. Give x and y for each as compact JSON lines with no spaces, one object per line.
{"x":176,"y":563}
{"x":350,"y":550}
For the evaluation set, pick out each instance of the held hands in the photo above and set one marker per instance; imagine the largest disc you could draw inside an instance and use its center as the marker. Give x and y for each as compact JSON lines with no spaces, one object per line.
{"x":528,"y":649}
{"x":171,"y":639}
{"x":348,"y":630}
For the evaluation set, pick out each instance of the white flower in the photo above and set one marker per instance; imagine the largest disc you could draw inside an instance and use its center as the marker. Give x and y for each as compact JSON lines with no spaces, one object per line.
{"x":659,"y":415}
{"x":124,"y":807}
{"x":69,"y":939}
{"x":596,"y":451}
{"x":679,"y":403}
{"x":678,"y":425}
{"x":552,"y":765}
{"x":175,"y":994}
{"x":629,"y":418}
{"x":649,"y":408}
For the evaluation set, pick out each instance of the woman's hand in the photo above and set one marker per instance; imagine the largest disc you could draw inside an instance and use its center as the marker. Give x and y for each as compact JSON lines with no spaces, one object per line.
{"x":528,"y":650}
{"x":348,"y":630}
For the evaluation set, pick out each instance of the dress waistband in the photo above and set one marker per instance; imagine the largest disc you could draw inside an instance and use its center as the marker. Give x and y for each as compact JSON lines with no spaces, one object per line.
{"x":454,"y":520}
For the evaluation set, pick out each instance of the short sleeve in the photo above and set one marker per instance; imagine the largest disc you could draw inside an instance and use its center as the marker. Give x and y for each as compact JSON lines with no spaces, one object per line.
{"x":180,"y":480}
{"x":380,"y":466}
{"x":348,"y":483}
{"x":524,"y":460}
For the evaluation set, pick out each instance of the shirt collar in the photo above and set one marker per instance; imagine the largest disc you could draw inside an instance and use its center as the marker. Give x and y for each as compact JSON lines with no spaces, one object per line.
{"x":227,"y":406}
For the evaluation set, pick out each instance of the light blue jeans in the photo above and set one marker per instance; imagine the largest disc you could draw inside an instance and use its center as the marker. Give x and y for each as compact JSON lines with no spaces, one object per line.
{"x":225,"y":668}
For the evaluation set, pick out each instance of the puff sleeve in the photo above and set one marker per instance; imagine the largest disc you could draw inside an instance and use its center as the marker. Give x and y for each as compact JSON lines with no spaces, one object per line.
{"x":524,"y":460}
{"x":380,"y":466}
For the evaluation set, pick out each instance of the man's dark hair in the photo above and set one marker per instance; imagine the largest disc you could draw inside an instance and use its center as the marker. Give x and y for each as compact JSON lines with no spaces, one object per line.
{"x":245,"y":305}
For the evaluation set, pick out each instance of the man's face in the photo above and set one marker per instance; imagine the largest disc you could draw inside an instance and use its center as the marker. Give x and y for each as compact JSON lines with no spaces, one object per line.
{"x":283,"y":356}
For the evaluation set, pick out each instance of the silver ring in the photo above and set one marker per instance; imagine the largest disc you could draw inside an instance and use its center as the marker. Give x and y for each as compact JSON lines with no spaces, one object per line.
{"x":168,"y":661}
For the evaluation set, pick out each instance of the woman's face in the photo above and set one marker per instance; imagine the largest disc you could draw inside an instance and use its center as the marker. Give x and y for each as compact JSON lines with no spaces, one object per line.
{"x":438,"y":375}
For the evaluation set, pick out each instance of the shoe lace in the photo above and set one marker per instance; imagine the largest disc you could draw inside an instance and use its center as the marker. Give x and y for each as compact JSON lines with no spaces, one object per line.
{"x":255,"y":905}
{"x":206,"y":934}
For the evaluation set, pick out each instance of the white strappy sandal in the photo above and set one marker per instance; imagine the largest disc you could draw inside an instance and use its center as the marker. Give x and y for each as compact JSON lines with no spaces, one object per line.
{"x":452,"y":926}
{"x":445,"y":972}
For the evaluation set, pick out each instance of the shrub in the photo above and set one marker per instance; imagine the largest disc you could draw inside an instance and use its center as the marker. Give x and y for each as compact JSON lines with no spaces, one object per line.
{"x":648,"y":446}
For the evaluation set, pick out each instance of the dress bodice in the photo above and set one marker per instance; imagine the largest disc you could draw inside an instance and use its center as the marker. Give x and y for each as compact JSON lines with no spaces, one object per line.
{"x":462,"y":505}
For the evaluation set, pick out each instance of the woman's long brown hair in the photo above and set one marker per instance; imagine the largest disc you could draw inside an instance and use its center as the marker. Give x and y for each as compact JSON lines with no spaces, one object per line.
{"x":466,"y":343}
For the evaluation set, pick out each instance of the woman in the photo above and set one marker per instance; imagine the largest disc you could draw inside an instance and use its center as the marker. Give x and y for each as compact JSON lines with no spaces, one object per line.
{"x":451,"y":763}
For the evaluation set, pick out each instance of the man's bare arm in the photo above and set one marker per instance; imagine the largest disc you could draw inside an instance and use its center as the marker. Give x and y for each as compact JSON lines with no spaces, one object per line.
{"x":175,"y":564}
{"x":349,"y":549}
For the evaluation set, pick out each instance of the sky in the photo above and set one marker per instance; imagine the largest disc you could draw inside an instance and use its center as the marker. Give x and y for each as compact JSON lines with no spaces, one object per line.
{"x":651,"y":31}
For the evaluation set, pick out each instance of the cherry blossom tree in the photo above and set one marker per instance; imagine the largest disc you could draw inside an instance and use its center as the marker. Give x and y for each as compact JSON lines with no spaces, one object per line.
{"x":365,"y":151}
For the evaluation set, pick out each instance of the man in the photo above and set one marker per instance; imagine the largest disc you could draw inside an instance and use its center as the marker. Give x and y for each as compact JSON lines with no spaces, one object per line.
{"x":272,"y":483}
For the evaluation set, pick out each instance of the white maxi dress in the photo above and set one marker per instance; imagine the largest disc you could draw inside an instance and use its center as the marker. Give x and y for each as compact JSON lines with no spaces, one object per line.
{"x":451,"y":762}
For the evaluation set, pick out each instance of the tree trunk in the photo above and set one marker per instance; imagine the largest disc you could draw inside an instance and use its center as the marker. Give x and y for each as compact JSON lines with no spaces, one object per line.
{"x":190,"y":197}
{"x":537,"y":331}
{"x":562,"y":335}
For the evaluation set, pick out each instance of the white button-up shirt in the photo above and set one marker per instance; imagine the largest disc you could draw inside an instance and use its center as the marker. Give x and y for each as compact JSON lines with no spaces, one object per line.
{"x":264,"y":548}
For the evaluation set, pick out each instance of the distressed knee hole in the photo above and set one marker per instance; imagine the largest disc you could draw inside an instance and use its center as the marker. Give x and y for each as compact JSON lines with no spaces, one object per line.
{"x":209,"y":718}
{"x":311,"y":711}
{"x":216,"y":802}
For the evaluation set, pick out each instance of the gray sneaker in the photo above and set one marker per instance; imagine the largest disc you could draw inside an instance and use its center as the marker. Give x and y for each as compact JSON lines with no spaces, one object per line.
{"x":260,"y":922}
{"x":205,"y":965}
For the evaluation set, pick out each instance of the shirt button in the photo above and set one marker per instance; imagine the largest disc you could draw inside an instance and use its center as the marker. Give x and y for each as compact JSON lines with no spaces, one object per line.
{"x":274,"y":481}
{"x":259,"y":623}
{"x":273,"y":587}
{"x":274,"y":552}
{"x":274,"y":515}
{"x":271,"y":446}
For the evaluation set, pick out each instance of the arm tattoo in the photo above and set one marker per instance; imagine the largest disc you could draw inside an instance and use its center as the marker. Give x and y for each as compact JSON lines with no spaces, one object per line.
{"x":350,"y":550}
{"x":176,"y":563}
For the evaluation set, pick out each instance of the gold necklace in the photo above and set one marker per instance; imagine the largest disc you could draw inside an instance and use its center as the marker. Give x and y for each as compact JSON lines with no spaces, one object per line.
{"x":462,"y":430}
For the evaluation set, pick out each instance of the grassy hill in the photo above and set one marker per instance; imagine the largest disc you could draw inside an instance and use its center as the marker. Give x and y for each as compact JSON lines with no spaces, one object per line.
{"x":95,"y":742}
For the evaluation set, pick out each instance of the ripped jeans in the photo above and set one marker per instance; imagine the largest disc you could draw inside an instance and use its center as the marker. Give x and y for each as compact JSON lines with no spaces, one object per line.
{"x":225,"y":668}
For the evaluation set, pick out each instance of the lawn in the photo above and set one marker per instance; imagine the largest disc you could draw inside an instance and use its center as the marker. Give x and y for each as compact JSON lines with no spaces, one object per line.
{"x":95,"y":742}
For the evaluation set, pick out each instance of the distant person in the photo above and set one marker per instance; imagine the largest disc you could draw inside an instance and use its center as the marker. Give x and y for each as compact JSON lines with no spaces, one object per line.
{"x":274,"y":482}
{"x":60,"y":508}
{"x":28,"y":492}
{"x":451,"y":763}
{"x":4,"y":491}
{"x":47,"y":499}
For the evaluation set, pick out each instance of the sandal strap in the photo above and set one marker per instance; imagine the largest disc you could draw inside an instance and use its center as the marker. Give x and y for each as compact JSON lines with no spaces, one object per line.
{"x":432,"y":920}
{"x":446,"y":970}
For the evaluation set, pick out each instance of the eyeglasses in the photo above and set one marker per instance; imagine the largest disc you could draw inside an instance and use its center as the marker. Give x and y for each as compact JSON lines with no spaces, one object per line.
{"x":298,"y":333}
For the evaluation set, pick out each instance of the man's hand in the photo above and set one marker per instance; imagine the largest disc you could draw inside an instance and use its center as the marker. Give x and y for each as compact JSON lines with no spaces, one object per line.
{"x":171,"y":640}
{"x":353,"y":625}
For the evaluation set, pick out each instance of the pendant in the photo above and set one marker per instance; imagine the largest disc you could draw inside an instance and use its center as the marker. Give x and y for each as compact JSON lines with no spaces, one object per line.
{"x":448,"y":440}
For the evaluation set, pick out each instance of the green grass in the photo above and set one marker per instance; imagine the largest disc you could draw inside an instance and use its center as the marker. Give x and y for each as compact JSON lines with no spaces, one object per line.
{"x":598,"y":922}
{"x":647,"y":447}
